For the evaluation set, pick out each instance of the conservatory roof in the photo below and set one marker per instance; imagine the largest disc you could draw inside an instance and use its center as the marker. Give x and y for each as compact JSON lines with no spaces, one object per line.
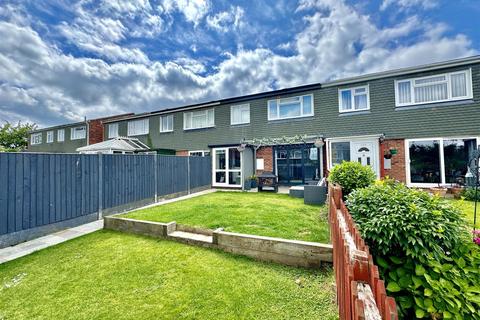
{"x":116,"y":144}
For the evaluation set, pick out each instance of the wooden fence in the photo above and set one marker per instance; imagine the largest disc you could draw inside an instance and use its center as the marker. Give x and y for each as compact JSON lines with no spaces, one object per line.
{"x":41,"y":190}
{"x":360,"y":291}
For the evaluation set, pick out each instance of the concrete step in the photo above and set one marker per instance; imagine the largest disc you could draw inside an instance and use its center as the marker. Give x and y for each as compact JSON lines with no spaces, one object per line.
{"x":192,"y":238}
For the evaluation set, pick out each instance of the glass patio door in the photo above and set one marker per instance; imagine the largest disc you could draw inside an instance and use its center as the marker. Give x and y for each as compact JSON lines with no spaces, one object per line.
{"x":297,"y":164}
{"x":227,"y":167}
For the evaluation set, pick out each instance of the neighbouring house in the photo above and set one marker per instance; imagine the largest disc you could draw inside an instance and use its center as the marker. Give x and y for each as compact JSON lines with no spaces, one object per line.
{"x":417,"y":125}
{"x":68,"y":137}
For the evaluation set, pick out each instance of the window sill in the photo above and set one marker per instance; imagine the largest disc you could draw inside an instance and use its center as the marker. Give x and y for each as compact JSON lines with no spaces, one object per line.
{"x":352,"y":113}
{"x":137,"y":135}
{"x":166,"y":132}
{"x":198,"y":129}
{"x":291,"y":119}
{"x":435,"y":104}
{"x":246,"y":124}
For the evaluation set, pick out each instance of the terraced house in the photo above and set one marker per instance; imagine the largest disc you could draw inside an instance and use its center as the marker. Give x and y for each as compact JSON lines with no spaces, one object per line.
{"x":417,"y":125}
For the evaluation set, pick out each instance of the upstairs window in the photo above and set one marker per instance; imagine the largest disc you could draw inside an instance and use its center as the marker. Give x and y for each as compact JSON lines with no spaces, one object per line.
{"x":198,"y":119}
{"x":438,"y":88}
{"x":49,"y":136}
{"x":112,"y":130}
{"x":166,"y":123}
{"x":354,"y":99}
{"x":61,"y":135}
{"x":78,"y":133}
{"x":287,"y":108}
{"x":138,"y":127}
{"x":36,"y":138}
{"x":240,"y":114}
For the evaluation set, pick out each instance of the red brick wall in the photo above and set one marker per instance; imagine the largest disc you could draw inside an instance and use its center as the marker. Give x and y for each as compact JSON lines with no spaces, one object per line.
{"x":95,"y":131}
{"x":397,"y":171}
{"x":265,"y":153}
{"x":182,"y":153}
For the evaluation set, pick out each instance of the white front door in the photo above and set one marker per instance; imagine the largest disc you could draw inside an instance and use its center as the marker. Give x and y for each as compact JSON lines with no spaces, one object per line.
{"x":227,"y":167}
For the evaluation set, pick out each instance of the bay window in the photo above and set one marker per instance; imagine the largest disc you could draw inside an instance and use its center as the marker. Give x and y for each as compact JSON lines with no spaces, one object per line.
{"x":438,"y":161}
{"x":438,"y":88}
{"x":354,"y":99}
{"x":198,"y":119}
{"x":287,"y":108}
{"x":138,"y":127}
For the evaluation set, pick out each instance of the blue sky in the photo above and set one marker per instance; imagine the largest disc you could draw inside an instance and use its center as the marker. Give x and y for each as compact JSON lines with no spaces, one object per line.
{"x":63,"y":60}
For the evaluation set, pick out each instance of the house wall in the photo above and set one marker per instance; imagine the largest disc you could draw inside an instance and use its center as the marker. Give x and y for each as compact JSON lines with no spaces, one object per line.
{"x":265,"y":153}
{"x":67,"y":146}
{"x":397,"y":171}
{"x":440,"y":119}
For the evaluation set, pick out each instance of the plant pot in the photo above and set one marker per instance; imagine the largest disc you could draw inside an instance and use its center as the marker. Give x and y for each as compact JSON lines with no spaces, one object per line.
{"x":254,"y":183}
{"x":441,"y":192}
{"x":456,"y":191}
{"x":247,"y":185}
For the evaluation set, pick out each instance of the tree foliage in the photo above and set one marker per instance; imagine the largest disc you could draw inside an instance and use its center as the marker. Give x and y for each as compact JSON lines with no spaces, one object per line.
{"x":14,"y":137}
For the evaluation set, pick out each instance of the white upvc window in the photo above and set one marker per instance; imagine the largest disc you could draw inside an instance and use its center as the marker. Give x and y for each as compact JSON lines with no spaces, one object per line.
{"x":166,"y":123}
{"x":288,"y":108}
{"x":240,"y":114}
{"x":138,"y":127}
{"x":61,"y":135}
{"x":112,"y":130}
{"x":354,"y":99}
{"x":49,"y":136}
{"x":36,"y":138}
{"x":443,"y":87}
{"x":199,"y":153}
{"x":78,"y":133}
{"x":198,"y":119}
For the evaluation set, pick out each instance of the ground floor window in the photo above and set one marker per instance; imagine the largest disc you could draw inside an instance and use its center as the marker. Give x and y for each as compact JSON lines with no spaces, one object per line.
{"x":227,"y":167}
{"x":440,"y":160}
{"x":199,"y":153}
{"x":297,"y":164}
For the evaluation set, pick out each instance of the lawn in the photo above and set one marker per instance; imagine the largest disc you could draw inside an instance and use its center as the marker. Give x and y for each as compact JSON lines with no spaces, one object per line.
{"x":467,"y":208}
{"x":265,"y":214}
{"x":110,"y":275}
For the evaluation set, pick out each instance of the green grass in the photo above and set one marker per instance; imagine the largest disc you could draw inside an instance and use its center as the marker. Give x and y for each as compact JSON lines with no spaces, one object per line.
{"x":109,"y":275}
{"x":265,"y":214}
{"x":467,"y":208}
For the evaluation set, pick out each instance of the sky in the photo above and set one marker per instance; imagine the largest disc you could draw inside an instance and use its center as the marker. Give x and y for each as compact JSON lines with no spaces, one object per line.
{"x":61,"y":61}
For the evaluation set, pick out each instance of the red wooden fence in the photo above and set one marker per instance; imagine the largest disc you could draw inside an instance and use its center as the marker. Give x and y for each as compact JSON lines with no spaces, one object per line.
{"x":360,"y":291}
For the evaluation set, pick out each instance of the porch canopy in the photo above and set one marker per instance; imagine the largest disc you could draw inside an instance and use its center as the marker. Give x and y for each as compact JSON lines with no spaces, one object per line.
{"x":116,"y":145}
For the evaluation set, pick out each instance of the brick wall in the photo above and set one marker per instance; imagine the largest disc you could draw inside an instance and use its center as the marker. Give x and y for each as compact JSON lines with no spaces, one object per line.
{"x":95,"y":131}
{"x":397,"y":171}
{"x":265,"y":153}
{"x":182,"y":153}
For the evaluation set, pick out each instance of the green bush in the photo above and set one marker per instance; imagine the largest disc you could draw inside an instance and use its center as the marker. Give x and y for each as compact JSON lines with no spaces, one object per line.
{"x":469,"y":194}
{"x":423,"y":250}
{"x":351,"y":175}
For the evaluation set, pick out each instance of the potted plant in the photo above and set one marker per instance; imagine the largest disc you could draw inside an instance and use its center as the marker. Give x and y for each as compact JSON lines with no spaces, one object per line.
{"x":439,"y":191}
{"x":248,"y":184}
{"x":253,"y":181}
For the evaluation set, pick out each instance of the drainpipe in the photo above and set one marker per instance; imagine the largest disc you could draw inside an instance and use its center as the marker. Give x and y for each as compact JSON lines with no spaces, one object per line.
{"x":88,"y":130}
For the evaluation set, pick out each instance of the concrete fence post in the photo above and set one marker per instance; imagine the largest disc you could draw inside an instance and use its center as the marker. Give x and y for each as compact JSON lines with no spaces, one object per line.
{"x":100,"y":186}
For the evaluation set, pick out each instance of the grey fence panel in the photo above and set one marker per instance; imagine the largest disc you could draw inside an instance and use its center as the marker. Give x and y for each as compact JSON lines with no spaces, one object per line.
{"x":172,"y":174}
{"x":200,"y":171}
{"x":127,"y":179}
{"x":42,"y":189}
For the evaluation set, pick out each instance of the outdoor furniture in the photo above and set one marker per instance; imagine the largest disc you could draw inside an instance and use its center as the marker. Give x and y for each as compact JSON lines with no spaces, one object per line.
{"x":267,"y":181}
{"x":296,"y":192}
{"x":315,"y":194}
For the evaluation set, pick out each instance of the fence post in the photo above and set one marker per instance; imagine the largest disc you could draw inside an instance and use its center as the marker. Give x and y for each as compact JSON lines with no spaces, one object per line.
{"x":156,"y":176}
{"x":188,"y":174}
{"x":100,"y":186}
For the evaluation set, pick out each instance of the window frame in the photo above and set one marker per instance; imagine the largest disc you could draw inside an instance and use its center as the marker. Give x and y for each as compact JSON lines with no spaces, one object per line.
{"x":33,"y":141}
{"x":442,"y":160}
{"x":278,"y":102}
{"x":147,"y":126}
{"x":161,"y":123}
{"x":62,"y":135}
{"x":244,"y":105}
{"x":110,"y":126}
{"x":190,"y":152}
{"x":73,"y":130}
{"x":191,"y":118}
{"x":49,"y":136}
{"x":468,"y":82}
{"x":352,"y":93}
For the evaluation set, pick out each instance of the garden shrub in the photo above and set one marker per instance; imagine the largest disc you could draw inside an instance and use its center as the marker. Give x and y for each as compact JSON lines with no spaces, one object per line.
{"x":351,"y":175}
{"x":469,"y":194}
{"x":423,"y":249}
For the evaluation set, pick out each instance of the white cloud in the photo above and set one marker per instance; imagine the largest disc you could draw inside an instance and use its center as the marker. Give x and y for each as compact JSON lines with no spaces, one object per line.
{"x":408,"y":4}
{"x":193,"y":10}
{"x":226,"y":20}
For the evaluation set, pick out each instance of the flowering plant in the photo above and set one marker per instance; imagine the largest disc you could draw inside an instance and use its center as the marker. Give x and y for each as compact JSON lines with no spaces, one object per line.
{"x":476,"y":236}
